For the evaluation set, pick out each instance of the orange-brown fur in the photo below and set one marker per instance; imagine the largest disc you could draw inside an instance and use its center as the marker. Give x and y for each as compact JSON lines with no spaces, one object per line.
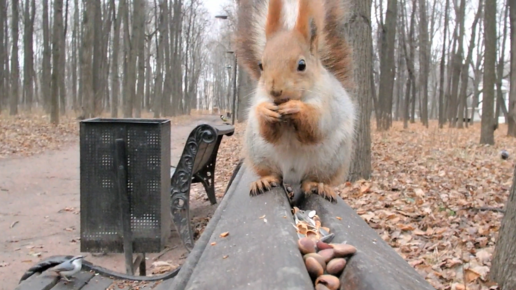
{"x":320,"y":188}
{"x":274,"y":17}
{"x":282,"y":106}
{"x":334,"y":51}
{"x":270,"y":126}
{"x":305,"y":120}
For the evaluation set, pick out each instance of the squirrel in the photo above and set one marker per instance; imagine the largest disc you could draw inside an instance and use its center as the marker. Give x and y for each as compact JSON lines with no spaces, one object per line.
{"x":301,"y":119}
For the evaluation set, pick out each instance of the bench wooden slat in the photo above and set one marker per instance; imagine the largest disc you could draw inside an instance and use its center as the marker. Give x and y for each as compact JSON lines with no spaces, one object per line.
{"x":45,"y":281}
{"x":375,"y":265}
{"x":78,"y":281}
{"x":260,"y":255}
{"x":165,"y":285}
{"x":98,"y":283}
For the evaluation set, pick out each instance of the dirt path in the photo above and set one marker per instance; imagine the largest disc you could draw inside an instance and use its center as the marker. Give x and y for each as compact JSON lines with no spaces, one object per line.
{"x":39,"y":204}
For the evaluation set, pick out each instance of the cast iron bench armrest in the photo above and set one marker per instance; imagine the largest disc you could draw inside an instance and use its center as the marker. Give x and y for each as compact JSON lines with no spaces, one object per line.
{"x":196,"y":165}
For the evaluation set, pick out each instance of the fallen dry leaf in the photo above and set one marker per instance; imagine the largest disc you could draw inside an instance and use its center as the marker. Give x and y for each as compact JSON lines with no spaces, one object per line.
{"x":224,"y":234}
{"x":471,"y":275}
{"x":225,"y":256}
{"x":262,"y":217}
{"x":339,"y":218}
{"x":213,"y":243}
{"x":160,"y":267}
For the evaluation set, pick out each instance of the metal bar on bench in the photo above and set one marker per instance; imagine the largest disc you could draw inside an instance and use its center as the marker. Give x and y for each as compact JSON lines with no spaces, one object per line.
{"x":124,"y":203}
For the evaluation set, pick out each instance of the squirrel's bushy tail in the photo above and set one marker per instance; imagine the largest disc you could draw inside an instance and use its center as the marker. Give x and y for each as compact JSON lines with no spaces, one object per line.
{"x":333,"y":50}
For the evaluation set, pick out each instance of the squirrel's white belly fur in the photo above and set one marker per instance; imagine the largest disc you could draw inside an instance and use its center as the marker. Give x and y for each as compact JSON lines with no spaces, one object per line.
{"x":295,"y":160}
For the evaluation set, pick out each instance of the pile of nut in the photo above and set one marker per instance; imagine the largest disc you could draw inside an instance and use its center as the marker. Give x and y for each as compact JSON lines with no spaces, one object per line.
{"x":324,"y":262}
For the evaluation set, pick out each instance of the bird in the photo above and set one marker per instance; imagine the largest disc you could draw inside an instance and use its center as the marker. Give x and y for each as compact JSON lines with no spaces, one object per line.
{"x":223,"y":118}
{"x":69,"y":268}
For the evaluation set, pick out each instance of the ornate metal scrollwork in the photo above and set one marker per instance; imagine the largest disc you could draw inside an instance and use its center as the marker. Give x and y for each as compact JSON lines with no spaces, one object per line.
{"x":182,"y":179}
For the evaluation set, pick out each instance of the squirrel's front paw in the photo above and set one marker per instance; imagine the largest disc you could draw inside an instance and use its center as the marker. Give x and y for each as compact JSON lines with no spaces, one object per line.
{"x":322,"y":189}
{"x":290,"y":108}
{"x":264,"y":184}
{"x":268,"y":112}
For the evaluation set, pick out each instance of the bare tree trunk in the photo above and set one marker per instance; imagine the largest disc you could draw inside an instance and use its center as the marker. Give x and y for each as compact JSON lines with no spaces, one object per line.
{"x":424,"y":59}
{"x":15,"y":66}
{"x":3,"y":49}
{"x":457,"y":65}
{"x":87,"y":56}
{"x":442,"y":118}
{"x":487,"y":130}
{"x":359,"y":37}
{"x":465,"y":71}
{"x":387,"y":66}
{"x":161,"y":41}
{"x":62,"y":63}
{"x":56,"y":55}
{"x":28,"y":53}
{"x":139,"y":18}
{"x":511,"y":130}
{"x":75,"y":48}
{"x":504,"y":258}
{"x":115,"y":78}
{"x":500,"y":103}
{"x":47,"y":55}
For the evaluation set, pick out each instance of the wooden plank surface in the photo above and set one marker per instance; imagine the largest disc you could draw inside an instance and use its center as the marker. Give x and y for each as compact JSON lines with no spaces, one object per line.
{"x":45,"y":281}
{"x":77,"y":281}
{"x":164,"y":285}
{"x":375,"y":265}
{"x":98,"y":283}
{"x":258,"y":253}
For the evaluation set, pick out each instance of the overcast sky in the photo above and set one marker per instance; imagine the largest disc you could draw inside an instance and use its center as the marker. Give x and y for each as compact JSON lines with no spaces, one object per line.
{"x":213,"y":6}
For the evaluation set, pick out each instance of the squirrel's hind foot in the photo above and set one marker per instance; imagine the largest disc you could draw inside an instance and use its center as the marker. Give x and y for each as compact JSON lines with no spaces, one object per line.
{"x":264,"y":184}
{"x":319,"y":188}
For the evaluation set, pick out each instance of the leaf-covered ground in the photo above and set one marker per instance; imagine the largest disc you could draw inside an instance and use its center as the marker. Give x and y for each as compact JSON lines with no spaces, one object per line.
{"x":435,"y":197}
{"x":24,"y":134}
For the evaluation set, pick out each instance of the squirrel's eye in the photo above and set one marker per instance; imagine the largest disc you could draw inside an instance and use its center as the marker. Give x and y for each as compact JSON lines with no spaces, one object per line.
{"x":301,"y":65}
{"x":260,"y":66}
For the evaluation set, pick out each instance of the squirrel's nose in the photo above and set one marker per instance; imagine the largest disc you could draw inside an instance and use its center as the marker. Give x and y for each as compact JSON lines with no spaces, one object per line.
{"x":276,"y":93}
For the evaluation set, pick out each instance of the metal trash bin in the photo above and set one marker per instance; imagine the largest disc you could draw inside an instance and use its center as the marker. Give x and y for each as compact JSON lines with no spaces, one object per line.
{"x":146,"y":182}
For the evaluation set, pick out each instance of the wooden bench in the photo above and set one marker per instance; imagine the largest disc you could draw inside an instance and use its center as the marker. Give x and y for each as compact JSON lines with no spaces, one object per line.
{"x":261,"y":251}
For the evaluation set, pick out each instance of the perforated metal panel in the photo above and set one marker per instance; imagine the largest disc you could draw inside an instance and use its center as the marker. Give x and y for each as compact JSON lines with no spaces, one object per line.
{"x":148,"y":184}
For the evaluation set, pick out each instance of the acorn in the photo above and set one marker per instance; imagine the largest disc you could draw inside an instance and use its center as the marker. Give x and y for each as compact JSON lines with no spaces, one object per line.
{"x":342,"y":250}
{"x":331,"y":282}
{"x":327,"y":254}
{"x":318,"y":257}
{"x":314,"y":268}
{"x":335,"y":266}
{"x":306,"y":245}
{"x":322,"y":245}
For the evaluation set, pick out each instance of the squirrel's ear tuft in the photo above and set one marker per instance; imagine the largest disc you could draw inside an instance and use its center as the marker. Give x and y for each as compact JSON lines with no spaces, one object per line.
{"x":273,"y":24}
{"x":306,"y":24}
